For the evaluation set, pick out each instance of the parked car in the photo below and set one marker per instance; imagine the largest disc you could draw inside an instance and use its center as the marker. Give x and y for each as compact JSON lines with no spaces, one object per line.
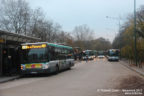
{"x":101,"y":56}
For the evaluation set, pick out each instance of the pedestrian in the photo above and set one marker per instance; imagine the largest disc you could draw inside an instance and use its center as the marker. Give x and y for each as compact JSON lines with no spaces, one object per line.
{"x":80,"y":56}
{"x":75,"y":56}
{"x":86,"y":58}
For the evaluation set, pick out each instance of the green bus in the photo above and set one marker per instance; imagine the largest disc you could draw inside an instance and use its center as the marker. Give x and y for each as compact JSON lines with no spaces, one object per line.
{"x":44,"y":57}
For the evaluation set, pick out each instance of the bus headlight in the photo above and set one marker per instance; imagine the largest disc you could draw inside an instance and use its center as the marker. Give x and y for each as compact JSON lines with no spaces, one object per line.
{"x":22,"y":67}
{"x":45,"y":66}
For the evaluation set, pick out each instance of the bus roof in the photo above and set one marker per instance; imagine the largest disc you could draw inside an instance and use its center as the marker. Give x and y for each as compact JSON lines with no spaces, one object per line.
{"x":114,"y":49}
{"x":50,"y":44}
{"x":57,"y":45}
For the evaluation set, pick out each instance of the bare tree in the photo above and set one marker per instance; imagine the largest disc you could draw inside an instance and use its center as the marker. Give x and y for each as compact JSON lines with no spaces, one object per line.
{"x":14,"y":16}
{"x":57,"y":29}
{"x":82,"y":34}
{"x":38,"y":24}
{"x":140,"y":21}
{"x":65,"y":38}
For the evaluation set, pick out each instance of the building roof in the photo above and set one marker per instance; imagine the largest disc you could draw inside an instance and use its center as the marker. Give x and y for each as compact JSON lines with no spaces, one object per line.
{"x":16,"y":37}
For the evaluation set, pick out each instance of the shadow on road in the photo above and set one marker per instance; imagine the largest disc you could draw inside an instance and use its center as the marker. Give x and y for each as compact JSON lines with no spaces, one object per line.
{"x":132,"y":85}
{"x":44,"y":75}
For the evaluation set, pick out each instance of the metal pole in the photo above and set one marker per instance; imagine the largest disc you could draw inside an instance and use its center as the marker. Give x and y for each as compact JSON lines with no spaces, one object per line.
{"x":135,"y":37}
{"x":119,"y":43}
{"x":115,"y":18}
{"x":1,"y":60}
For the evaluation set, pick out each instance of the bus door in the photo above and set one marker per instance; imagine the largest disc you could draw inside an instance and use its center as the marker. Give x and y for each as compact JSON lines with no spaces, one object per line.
{"x":62,"y":59}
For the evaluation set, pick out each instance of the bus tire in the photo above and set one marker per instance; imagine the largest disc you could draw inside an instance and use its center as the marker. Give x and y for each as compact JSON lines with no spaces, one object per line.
{"x":57,"y":70}
{"x":69,"y":68}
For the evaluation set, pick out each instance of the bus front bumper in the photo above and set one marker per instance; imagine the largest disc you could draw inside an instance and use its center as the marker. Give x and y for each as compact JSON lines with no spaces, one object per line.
{"x":113,"y":58}
{"x":35,"y":71}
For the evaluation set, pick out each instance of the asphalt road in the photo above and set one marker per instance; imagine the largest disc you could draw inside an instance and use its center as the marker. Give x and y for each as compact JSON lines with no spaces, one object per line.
{"x":84,"y":79}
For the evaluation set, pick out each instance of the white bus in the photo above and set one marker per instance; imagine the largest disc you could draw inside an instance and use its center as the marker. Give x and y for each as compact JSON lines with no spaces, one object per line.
{"x":88,"y":54}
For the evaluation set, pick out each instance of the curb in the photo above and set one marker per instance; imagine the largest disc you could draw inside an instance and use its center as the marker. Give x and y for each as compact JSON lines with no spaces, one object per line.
{"x":9,"y":79}
{"x":132,"y":69}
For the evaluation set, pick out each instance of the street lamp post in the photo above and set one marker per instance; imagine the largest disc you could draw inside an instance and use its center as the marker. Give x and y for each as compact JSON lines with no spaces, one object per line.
{"x":115,"y":18}
{"x":135,"y":37}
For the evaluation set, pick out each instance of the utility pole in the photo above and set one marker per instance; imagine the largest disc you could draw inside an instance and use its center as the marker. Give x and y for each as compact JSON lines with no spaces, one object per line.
{"x":135,"y":37}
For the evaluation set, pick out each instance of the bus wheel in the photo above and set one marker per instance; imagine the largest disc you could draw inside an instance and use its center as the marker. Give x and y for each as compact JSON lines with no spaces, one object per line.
{"x":57,"y":70}
{"x":69,"y":68}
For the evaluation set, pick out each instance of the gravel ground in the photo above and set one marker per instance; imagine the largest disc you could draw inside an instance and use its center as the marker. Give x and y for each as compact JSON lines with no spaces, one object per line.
{"x":133,"y":85}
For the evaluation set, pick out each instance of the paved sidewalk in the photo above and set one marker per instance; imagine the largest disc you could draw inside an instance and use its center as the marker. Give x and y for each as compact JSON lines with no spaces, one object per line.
{"x":8,"y":78}
{"x":134,"y":68}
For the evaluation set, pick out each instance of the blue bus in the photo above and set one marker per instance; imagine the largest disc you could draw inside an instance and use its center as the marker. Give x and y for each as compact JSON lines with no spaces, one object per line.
{"x":113,"y":55}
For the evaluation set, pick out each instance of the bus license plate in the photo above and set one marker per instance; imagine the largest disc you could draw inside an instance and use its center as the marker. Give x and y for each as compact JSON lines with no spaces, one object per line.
{"x":34,"y":72}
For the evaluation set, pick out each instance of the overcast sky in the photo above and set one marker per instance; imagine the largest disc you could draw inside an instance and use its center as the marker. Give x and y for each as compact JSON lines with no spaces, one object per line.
{"x":71,"y":13}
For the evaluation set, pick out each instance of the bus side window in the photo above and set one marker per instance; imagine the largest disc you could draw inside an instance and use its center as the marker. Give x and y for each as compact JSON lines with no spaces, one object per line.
{"x":47,"y":54}
{"x":57,"y":52}
{"x":52,"y":53}
{"x":72,"y":54}
{"x":68,"y":54}
{"x":63,"y":53}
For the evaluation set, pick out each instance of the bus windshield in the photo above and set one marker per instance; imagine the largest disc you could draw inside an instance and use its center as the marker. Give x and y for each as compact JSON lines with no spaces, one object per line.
{"x":34,"y":55}
{"x":100,"y":53}
{"x":113,"y":53}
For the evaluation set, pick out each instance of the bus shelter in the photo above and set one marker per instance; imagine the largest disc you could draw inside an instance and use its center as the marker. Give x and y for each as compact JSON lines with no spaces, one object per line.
{"x":9,"y":56}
